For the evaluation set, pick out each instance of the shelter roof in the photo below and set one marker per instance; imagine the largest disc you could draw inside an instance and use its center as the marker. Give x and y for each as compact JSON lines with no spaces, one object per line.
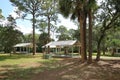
{"x":23,"y":45}
{"x":62,"y":43}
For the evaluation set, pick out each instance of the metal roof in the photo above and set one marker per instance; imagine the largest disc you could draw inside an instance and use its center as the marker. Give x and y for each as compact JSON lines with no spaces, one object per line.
{"x":62,"y":43}
{"x":23,"y":45}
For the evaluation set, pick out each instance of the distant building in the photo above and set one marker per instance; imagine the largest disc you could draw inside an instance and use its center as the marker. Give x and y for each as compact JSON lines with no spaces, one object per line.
{"x":23,"y":47}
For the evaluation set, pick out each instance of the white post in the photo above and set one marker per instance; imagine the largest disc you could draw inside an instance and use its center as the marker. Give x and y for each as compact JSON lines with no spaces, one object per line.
{"x":60,"y":49}
{"x":20,"y":49}
{"x":23,"y":49}
{"x":116,"y":50}
{"x":56,"y":50}
{"x":28,"y":49}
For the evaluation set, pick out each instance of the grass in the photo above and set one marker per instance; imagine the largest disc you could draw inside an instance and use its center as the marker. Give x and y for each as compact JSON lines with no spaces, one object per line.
{"x":22,"y":66}
{"x":17,"y":59}
{"x":108,"y":54}
{"x":26,"y":66}
{"x":74,"y":69}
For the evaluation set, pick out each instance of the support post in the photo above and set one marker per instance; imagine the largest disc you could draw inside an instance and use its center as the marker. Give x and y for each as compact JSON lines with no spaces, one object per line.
{"x":72,"y":52}
{"x":20,"y":49}
{"x":56,"y":50}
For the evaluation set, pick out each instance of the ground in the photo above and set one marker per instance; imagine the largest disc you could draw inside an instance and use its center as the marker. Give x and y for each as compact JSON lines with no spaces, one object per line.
{"x":35,"y":68}
{"x":73,"y":69}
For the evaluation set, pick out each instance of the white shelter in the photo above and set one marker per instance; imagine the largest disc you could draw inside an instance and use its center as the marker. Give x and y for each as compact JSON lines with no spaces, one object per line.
{"x":58,"y":45}
{"x":23,"y":47}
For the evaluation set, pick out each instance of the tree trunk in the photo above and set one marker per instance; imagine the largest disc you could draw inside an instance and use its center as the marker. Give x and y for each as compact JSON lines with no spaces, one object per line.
{"x":98,"y":47}
{"x":98,"y":52}
{"x":104,"y":49}
{"x":48,"y":29}
{"x":48,"y":33}
{"x":84,"y":33}
{"x":82,"y":38}
{"x":48,"y":51}
{"x":113,"y":52}
{"x":90,"y":37}
{"x":34,"y":43}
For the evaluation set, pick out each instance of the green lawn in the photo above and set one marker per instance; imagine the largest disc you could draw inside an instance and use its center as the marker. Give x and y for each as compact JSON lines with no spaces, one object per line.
{"x":23,"y":65}
{"x":6,"y":59}
{"x":26,"y":66}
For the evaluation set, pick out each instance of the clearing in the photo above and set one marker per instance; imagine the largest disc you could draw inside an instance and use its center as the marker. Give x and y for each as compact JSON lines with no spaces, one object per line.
{"x":28,"y":67}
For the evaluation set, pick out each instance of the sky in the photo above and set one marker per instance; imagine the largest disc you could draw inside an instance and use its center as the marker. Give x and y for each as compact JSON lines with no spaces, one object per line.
{"x":24,"y":25}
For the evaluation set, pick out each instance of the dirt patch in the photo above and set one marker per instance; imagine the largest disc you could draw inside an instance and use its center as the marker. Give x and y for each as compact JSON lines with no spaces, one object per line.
{"x":73,"y":69}
{"x":28,"y":65}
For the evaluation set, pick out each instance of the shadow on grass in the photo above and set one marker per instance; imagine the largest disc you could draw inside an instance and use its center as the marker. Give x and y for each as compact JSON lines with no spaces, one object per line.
{"x":67,"y":69}
{"x":75,"y":70}
{"x":21,"y":74}
{"x":16,"y":72}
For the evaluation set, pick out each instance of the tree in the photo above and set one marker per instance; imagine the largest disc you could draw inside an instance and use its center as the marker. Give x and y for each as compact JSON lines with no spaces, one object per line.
{"x":28,"y":38}
{"x":33,"y":8}
{"x":71,"y":33}
{"x":62,"y":33}
{"x":53,"y":30}
{"x":42,"y":40}
{"x":113,"y":40}
{"x":104,"y":42}
{"x":1,"y":16}
{"x":109,"y":18}
{"x":11,"y":21}
{"x":42,"y":27}
{"x":10,"y":37}
{"x":75,"y":8}
{"x":49,"y":8}
{"x":92,"y":6}
{"x":78,"y":9}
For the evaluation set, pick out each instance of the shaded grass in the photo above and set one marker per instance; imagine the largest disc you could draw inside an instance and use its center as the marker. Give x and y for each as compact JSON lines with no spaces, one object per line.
{"x":25,"y":74}
{"x":73,"y":69}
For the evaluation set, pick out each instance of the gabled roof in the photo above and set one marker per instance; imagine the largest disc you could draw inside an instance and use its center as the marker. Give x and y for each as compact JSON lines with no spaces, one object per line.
{"x":24,"y":45}
{"x":62,"y":43}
